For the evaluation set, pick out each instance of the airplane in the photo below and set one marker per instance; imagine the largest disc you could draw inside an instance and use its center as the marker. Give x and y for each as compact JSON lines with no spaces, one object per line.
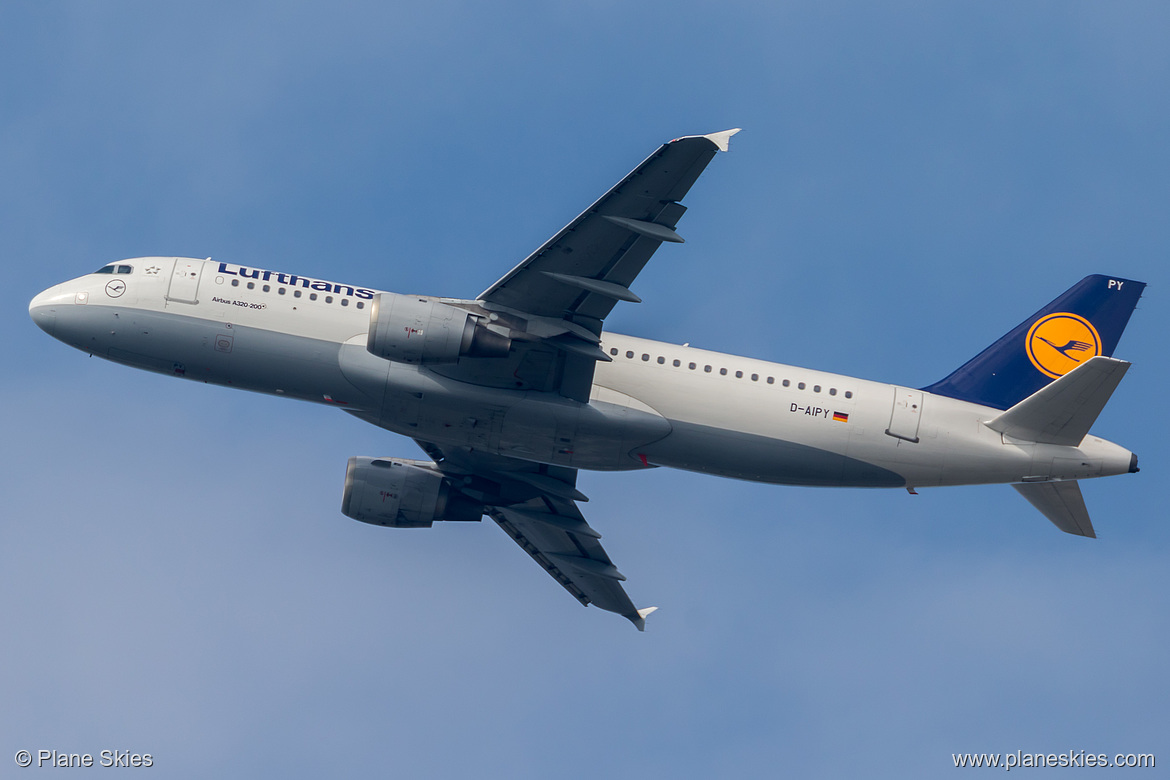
{"x":511,"y":393}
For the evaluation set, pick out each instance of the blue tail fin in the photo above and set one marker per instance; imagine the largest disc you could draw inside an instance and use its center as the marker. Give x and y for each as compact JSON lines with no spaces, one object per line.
{"x":1084,"y":322}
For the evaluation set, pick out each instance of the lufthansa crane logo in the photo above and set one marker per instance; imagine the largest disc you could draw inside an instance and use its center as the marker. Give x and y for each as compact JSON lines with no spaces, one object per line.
{"x":1058,"y":343}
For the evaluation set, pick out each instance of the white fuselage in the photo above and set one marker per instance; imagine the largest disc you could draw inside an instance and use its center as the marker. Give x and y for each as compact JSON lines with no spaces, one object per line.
{"x":655,"y":404}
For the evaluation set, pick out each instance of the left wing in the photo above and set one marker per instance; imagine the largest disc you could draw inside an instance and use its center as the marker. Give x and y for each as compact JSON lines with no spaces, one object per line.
{"x":536,"y":506}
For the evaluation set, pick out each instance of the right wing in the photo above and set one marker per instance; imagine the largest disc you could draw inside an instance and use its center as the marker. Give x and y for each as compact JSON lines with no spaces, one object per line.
{"x":555,"y":300}
{"x":536,"y":506}
{"x":587,"y":267}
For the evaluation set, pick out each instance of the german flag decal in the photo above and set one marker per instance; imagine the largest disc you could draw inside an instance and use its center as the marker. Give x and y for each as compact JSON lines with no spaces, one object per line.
{"x":840,"y":417}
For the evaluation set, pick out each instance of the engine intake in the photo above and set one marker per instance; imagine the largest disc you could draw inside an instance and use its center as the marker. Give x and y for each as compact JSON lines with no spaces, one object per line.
{"x":417,"y":329}
{"x":402,"y":493}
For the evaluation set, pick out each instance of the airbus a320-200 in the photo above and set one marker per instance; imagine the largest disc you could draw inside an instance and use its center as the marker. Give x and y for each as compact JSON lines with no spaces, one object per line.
{"x":511,"y":393}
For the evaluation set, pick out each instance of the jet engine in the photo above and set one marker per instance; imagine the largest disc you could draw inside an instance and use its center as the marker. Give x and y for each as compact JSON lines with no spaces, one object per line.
{"x":402,"y":494}
{"x":417,"y":329}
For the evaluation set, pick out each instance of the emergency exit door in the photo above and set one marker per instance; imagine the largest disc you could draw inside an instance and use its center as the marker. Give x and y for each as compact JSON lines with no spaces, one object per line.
{"x":906,"y":414}
{"x":184,"y":286}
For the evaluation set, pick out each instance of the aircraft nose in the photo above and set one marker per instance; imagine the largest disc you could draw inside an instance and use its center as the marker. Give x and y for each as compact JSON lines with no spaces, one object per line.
{"x":43,"y":311}
{"x":53,"y":303}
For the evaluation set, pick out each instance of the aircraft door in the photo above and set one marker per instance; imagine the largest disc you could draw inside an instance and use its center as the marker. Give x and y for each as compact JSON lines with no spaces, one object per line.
{"x":184,"y":287}
{"x":906,"y":414}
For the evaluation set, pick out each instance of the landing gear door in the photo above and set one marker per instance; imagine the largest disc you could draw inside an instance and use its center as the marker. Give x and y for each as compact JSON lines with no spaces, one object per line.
{"x":906,"y":414}
{"x":184,"y":287}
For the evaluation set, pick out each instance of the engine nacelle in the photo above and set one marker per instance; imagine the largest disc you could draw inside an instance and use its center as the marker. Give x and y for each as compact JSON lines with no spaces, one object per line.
{"x":402,"y":494}
{"x":418,"y":329}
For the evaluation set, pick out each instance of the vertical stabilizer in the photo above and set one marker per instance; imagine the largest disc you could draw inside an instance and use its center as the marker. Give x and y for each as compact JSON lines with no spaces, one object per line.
{"x":1062,"y":503}
{"x":1085,"y":322}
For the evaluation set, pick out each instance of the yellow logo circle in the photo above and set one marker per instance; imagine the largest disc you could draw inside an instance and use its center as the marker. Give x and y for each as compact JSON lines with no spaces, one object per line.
{"x":1060,"y":342}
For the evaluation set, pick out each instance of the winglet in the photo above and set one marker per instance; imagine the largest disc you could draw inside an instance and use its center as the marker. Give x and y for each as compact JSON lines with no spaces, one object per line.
{"x":720,"y":139}
{"x":640,"y":621}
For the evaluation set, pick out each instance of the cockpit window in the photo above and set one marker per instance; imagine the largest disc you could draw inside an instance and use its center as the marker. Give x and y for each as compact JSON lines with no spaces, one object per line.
{"x":115,"y":268}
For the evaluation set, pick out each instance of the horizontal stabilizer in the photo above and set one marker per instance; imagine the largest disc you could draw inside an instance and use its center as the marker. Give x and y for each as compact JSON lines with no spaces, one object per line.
{"x":1062,"y":503}
{"x":1063,"y":411}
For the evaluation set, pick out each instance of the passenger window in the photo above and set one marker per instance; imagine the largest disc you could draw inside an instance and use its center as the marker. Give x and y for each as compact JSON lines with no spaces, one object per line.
{"x":848,"y":393}
{"x":771,"y":380}
{"x":816,"y":388}
{"x":755,"y":377}
{"x":800,"y":386}
{"x":280,"y":290}
{"x":786,"y":383}
{"x":707,"y":369}
{"x":691,"y":366}
{"x":676,"y":364}
{"x":661,"y":360}
{"x":629,"y":354}
{"x":251,"y":285}
{"x":296,"y":293}
{"x":832,"y":391}
{"x":613,"y":351}
{"x":645,"y":357}
{"x":739,"y":375}
{"x":345,"y":301}
{"x":312,"y":296}
{"x":328,"y":299}
{"x":361,"y":304}
{"x":266,"y":288}
{"x":235,"y":282}
{"x":723,"y":371}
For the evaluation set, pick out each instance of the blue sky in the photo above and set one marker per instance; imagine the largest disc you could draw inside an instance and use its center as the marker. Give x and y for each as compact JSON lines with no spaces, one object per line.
{"x":913,"y":180}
